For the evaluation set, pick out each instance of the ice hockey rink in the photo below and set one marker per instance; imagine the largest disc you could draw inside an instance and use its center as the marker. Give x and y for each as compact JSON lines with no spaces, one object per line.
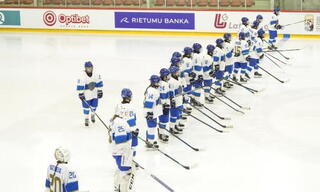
{"x":274,"y":147}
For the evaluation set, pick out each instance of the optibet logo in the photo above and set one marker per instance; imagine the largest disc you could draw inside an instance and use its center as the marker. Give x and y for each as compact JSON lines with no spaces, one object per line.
{"x":50,"y":19}
{"x":220,"y":21}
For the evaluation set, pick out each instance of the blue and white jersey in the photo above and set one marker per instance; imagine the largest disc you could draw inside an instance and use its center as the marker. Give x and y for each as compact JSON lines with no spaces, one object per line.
{"x":121,"y":136}
{"x":253,"y":35}
{"x":257,"y":49}
{"x":219,"y":58}
{"x":176,"y":90}
{"x":152,"y":101}
{"x":164,"y":93}
{"x":244,"y":29}
{"x":185,"y":69}
{"x":197,"y":63}
{"x":207,"y":63}
{"x":60,"y":178}
{"x":228,"y":50}
{"x":242,"y":50}
{"x":89,"y":85}
{"x":128,"y":113}
{"x":274,"y":21}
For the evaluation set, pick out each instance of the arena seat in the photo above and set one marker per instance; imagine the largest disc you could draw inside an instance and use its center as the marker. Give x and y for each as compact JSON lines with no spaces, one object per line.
{"x":159,"y":2}
{"x":202,"y":3}
{"x":213,"y":3}
{"x":236,"y":3}
{"x":224,"y":3}
{"x":171,"y":2}
{"x":107,"y":2}
{"x":181,"y":2}
{"x":97,"y":2}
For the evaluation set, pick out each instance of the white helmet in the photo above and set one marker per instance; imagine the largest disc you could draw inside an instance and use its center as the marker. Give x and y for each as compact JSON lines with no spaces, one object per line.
{"x":62,"y":155}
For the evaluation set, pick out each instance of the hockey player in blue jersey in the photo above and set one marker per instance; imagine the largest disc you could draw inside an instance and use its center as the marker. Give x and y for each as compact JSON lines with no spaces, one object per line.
{"x":59,"y":176}
{"x":122,"y":153}
{"x":219,"y":64}
{"x":89,"y":88}
{"x":152,"y":109}
{"x":165,"y":102}
{"x":207,"y":64}
{"x":274,"y":26}
{"x":257,"y":53}
{"x":228,"y":47}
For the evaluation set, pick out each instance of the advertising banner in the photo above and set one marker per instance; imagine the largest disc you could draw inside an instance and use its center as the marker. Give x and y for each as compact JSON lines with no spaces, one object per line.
{"x":10,"y":18}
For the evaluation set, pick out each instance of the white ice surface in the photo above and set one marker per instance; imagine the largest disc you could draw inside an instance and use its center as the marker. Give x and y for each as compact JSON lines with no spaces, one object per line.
{"x":274,"y":147}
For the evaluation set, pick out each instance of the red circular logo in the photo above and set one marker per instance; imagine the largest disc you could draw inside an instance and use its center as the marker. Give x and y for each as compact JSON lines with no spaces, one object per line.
{"x":49,"y":18}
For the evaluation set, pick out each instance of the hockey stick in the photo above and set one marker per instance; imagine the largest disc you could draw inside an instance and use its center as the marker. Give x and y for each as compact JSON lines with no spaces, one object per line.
{"x":276,"y":64}
{"x":155,"y":177}
{"x":277,"y":59}
{"x":193,"y":148}
{"x":227,"y":104}
{"x":224,"y":126}
{"x":232,"y":101}
{"x":220,"y":131}
{"x":220,"y":117}
{"x":282,"y":50}
{"x":109,"y":129}
{"x":253,"y":91}
{"x":272,"y":75}
{"x":184,"y":166}
{"x":293,"y":23}
{"x":287,"y":58}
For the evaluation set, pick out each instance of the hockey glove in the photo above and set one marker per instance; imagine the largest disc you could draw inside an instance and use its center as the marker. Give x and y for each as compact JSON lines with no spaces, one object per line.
{"x":135,"y":133}
{"x":200,"y":78}
{"x":248,"y":58}
{"x":100,"y":94}
{"x":81,"y":96}
{"x":216,"y":67}
{"x":249,"y":43}
{"x":261,"y":56}
{"x":211,"y":73}
{"x":173,"y":103}
{"x":165,"y":109}
{"x":149,"y":116}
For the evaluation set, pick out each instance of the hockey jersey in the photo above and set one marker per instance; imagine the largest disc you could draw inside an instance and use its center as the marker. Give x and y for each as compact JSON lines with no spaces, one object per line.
{"x":197,"y":63}
{"x":176,"y":90}
{"x":164,"y":93}
{"x":89,"y":85}
{"x":274,"y":21}
{"x":219,"y":58}
{"x":152,"y":101}
{"x":244,"y":29}
{"x":241,"y":51}
{"x":257,"y":49}
{"x":207,"y":66}
{"x":128,"y":112}
{"x":228,"y":50}
{"x":60,"y":178}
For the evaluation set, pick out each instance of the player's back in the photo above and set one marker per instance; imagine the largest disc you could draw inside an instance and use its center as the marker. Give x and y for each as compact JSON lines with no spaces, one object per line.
{"x":61,"y":179}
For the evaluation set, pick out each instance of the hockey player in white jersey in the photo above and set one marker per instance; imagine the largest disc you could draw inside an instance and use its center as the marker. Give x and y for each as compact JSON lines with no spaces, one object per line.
{"x":259,"y":18}
{"x":176,"y":101}
{"x":228,"y":48}
{"x":244,"y":28}
{"x":219,"y":65}
{"x":274,"y":26}
{"x":89,"y":88}
{"x":152,"y":109}
{"x":254,"y":31}
{"x":122,"y":153}
{"x":186,"y":73}
{"x":197,"y":58}
{"x":165,"y":103}
{"x":241,"y":58}
{"x":59,"y":176}
{"x":257,"y":53}
{"x":207,"y":64}
{"x":127,"y":111}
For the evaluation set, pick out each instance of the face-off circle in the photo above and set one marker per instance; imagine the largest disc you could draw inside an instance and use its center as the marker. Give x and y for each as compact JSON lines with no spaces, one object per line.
{"x":49,"y":18}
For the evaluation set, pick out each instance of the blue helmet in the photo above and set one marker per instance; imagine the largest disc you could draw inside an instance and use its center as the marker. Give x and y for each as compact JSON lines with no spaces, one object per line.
{"x":175,"y":60}
{"x":126,"y":93}
{"x":210,"y":48}
{"x":88,"y":64}
{"x":176,"y":54}
{"x":154,"y":79}
{"x":255,"y":24}
{"x":196,"y":46}
{"x":261,"y":32}
{"x":227,"y":36}
{"x":259,"y":17}
{"x":173,"y":69}
{"x":244,"y":20}
{"x":164,"y":72}
{"x":276,"y":10}
{"x":187,"y":50}
{"x":242,"y":35}
{"x":219,"y":41}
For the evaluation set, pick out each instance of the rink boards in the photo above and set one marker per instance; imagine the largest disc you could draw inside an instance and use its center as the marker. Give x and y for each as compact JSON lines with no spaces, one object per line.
{"x":146,"y":21}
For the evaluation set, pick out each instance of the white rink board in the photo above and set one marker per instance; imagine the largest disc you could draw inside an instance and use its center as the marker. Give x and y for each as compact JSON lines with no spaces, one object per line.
{"x":204,"y":21}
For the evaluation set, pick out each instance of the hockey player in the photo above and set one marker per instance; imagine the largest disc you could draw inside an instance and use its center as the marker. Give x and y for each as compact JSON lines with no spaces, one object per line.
{"x":241,"y":57}
{"x":90,"y":90}
{"x":176,"y":101}
{"x":254,"y":31}
{"x":228,"y":49}
{"x":219,"y":64}
{"x":257,"y":54}
{"x":186,"y":73}
{"x":207,"y":64}
{"x":259,"y":18}
{"x":59,"y":176}
{"x":165,"y":102}
{"x":152,"y":110}
{"x":128,"y":113}
{"x":175,"y":61}
{"x":244,"y":28}
{"x":274,"y":26}
{"x":122,"y":153}
{"x":197,"y":58}
{"x":176,"y":54}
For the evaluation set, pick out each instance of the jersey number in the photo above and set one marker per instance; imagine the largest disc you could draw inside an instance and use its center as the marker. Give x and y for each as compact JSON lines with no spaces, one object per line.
{"x":55,"y":185}
{"x":237,"y":51}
